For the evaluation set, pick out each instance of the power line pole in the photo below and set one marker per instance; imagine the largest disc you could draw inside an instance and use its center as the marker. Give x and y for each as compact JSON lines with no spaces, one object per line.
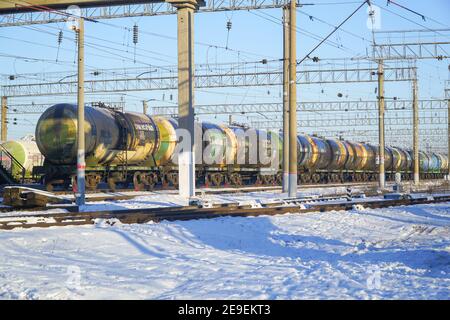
{"x":292,"y":101}
{"x":4,"y":127}
{"x":285,"y":160}
{"x":381,"y":143}
{"x":144,"y":107}
{"x":186,"y":159}
{"x":415,"y":131}
{"x":81,"y":164}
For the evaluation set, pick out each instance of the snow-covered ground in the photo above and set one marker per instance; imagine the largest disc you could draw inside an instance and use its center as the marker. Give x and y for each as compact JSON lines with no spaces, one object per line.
{"x":394,"y":253}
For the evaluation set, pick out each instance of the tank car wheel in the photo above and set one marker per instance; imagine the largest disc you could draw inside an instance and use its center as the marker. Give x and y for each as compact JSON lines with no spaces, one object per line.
{"x":350,"y":177}
{"x":92,"y":181}
{"x":47,"y":182}
{"x":334,"y":178}
{"x":302,"y":178}
{"x":279,"y":179}
{"x":264,"y":179}
{"x":236,"y":179}
{"x":91,"y":187}
{"x":111,"y":184}
{"x":331,"y":178}
{"x":316,"y":178}
{"x":49,"y":186}
{"x":207,"y":180}
{"x":152,"y":180}
{"x":173,"y":178}
{"x":272,"y":179}
{"x":217,"y":179}
{"x":138,"y":181}
{"x":338,"y":178}
{"x":74,"y":183}
{"x":269,"y":179}
{"x":164,"y":182}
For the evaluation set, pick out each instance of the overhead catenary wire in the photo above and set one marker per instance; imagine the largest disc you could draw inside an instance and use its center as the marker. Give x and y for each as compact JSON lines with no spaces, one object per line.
{"x":99,"y":39}
{"x":101,"y":47}
{"x":332,"y":25}
{"x":160,"y":35}
{"x":302,"y":31}
{"x":239,"y":52}
{"x":332,"y":32}
{"x":412,"y":21}
{"x":346,"y":3}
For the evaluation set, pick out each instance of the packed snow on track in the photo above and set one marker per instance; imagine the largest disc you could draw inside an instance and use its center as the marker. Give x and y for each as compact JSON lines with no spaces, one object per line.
{"x":394,"y":253}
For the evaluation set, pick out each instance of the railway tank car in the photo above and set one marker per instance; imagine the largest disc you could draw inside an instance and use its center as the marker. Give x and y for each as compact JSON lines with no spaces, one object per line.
{"x":114,"y":140}
{"x":19,"y":155}
{"x":127,"y":147}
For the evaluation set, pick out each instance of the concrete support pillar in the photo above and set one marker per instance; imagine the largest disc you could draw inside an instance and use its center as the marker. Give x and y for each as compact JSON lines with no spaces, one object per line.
{"x":4,"y":121}
{"x":381,"y":144}
{"x":144,"y":107}
{"x":292,"y":100}
{"x":285,"y":163}
{"x":81,"y":164}
{"x":415,"y":131}
{"x":186,"y":159}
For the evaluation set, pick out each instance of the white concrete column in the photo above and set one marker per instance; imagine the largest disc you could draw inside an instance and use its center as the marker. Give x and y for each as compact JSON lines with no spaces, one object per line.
{"x":186,"y":159}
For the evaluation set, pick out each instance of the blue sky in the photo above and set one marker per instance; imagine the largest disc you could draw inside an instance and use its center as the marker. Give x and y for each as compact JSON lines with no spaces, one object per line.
{"x":251,"y":38}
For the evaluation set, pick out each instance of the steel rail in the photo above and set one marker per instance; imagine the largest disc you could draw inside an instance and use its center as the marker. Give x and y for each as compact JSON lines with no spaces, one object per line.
{"x":140,"y":216}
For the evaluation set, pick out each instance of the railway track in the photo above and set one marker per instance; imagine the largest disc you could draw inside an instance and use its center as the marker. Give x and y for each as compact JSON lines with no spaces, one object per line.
{"x":231,"y":189}
{"x":368,"y":188}
{"x":127,"y":194}
{"x":301,"y":205}
{"x":216,"y":190}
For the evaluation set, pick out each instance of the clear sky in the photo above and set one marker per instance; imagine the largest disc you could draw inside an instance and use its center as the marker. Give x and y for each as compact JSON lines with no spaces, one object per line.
{"x":253,"y":36}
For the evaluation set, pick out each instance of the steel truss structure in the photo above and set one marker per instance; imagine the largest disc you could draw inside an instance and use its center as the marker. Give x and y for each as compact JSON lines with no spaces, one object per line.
{"x":346,"y":122}
{"x":397,"y":47}
{"x":433,"y":139}
{"x":360,"y":134}
{"x":39,"y":108}
{"x":316,"y":107}
{"x":205,"y":79}
{"x":136,"y":10}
